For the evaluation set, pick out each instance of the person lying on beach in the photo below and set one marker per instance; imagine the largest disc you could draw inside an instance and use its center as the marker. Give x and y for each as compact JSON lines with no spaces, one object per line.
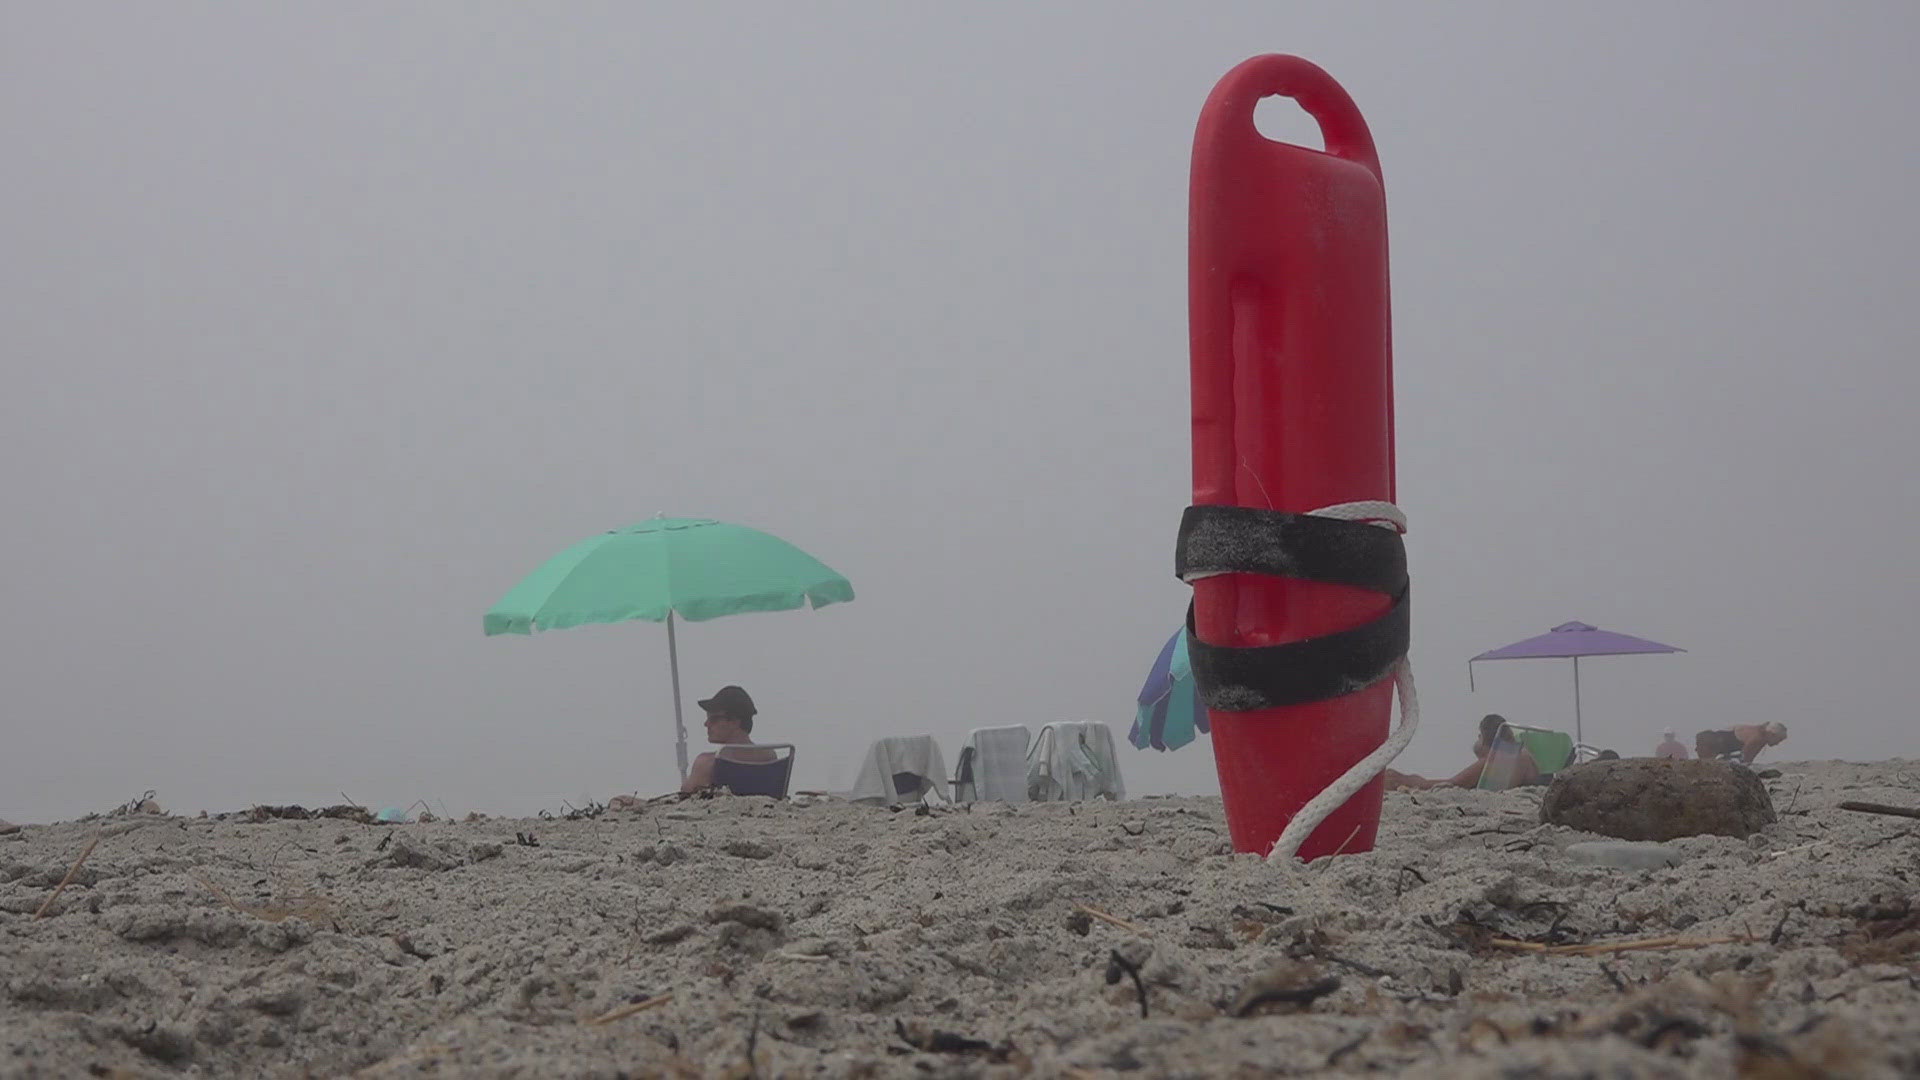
{"x":1744,"y":740}
{"x":1494,"y":750}
{"x":729,"y":723}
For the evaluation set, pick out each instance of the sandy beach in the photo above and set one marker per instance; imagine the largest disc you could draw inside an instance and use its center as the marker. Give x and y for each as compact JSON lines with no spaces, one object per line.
{"x":742,"y":937}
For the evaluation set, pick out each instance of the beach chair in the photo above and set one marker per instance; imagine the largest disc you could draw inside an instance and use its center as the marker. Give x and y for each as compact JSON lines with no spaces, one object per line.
{"x":735,"y":768}
{"x":901,"y":769}
{"x":993,"y":765}
{"x":1551,"y":751}
{"x":1072,"y":761}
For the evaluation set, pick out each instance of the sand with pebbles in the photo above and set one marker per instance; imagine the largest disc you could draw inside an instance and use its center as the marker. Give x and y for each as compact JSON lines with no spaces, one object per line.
{"x":742,"y":937}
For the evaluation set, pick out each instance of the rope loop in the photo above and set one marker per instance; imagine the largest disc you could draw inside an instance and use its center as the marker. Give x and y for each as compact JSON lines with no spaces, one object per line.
{"x":1321,"y":806}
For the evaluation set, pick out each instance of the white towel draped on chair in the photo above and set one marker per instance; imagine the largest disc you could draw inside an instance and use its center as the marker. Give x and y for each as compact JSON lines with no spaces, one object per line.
{"x":993,"y":765}
{"x":901,"y":755}
{"x":1074,"y":760}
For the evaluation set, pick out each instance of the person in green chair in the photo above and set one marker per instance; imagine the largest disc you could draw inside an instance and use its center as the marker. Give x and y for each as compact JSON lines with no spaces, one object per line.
{"x":1495,"y":755}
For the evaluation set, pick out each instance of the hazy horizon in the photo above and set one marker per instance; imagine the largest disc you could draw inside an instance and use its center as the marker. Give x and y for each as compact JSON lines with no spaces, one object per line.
{"x":331,"y":323}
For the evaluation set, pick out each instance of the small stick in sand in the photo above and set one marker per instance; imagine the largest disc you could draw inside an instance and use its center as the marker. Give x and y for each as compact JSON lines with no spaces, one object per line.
{"x":1346,"y":1048}
{"x":219,"y":892}
{"x":1112,"y":920}
{"x":1322,"y":860}
{"x":314,"y":909}
{"x":753,"y":1040}
{"x":625,"y":1011}
{"x":1601,"y":948}
{"x":405,"y":1057}
{"x":1263,"y":992}
{"x":1118,"y":965}
{"x":1881,"y":808}
{"x":1343,"y":844}
{"x":1780,"y":928}
{"x":68,"y":880}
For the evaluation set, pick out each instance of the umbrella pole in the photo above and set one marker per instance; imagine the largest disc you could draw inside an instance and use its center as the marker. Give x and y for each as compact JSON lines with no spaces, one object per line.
{"x":679,"y":726}
{"x":1578,"y":738}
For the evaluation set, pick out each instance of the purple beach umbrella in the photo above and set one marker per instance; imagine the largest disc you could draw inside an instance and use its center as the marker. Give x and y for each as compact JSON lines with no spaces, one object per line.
{"x":1572,"y":640}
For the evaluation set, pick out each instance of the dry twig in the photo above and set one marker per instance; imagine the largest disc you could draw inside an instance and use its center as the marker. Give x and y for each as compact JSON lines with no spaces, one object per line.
{"x":405,"y":1057}
{"x":1882,"y":808}
{"x":1112,"y":920}
{"x":311,"y":908}
{"x":1341,"y":850}
{"x":1346,"y":1048}
{"x":753,"y":1040}
{"x":625,"y":1011}
{"x":1118,"y":965}
{"x":68,"y":880}
{"x":1598,"y":948}
{"x":1283,"y":991}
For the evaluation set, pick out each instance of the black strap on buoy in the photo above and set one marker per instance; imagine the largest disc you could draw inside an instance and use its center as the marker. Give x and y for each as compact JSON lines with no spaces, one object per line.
{"x":1244,"y":540}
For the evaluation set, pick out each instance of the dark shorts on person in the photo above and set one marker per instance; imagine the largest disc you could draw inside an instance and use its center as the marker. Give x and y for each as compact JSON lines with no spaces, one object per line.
{"x":1713,"y":744}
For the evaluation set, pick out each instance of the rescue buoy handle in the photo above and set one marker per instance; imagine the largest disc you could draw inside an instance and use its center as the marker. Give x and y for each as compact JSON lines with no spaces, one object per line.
{"x":1229,"y":111}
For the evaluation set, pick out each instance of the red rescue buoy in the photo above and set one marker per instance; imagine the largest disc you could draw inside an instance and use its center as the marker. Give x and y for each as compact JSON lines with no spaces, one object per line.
{"x":1292,"y":411}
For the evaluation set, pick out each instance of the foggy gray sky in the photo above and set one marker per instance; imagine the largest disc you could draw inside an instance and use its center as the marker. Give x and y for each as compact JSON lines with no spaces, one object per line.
{"x":327,"y":323}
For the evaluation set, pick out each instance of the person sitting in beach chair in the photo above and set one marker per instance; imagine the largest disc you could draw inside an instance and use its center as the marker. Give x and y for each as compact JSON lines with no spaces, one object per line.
{"x":1501,"y":759}
{"x":759,"y":769}
{"x":730,"y":716}
{"x":1744,"y":741}
{"x":1550,"y":751}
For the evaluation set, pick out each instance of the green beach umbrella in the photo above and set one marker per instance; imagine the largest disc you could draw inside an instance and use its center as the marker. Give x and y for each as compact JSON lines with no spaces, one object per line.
{"x":1168,"y":709}
{"x":693,"y":567}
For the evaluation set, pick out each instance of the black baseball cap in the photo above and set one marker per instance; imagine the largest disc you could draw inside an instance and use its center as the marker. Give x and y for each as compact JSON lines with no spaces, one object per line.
{"x":730,"y":701}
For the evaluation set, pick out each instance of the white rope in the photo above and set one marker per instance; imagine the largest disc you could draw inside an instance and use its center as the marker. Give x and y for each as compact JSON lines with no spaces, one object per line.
{"x":1386,"y":515}
{"x":1337,"y":793}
